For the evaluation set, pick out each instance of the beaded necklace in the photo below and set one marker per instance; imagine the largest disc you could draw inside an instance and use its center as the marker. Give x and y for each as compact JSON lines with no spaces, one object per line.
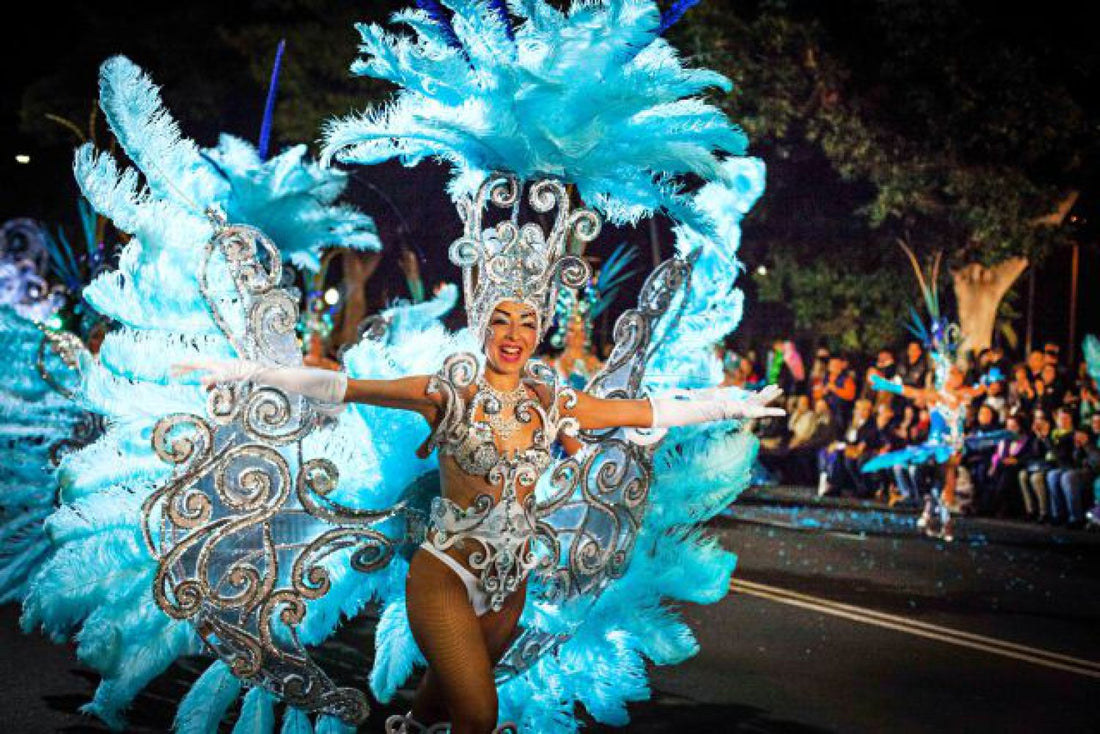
{"x":504,"y":427}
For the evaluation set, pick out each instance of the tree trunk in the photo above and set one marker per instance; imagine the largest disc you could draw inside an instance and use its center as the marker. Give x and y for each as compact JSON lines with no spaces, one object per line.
{"x":979,"y":291}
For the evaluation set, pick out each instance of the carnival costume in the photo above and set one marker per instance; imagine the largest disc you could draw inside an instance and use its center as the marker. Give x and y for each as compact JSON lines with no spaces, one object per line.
{"x":265,"y":514}
{"x":1091,"y":349}
{"x":576,"y":313}
{"x":40,"y":421}
{"x":946,"y":439}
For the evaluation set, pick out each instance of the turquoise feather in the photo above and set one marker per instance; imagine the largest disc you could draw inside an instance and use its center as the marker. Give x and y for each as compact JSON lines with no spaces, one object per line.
{"x":398,"y":655}
{"x":295,"y":721}
{"x":257,"y":713}
{"x":332,"y":725}
{"x":208,"y":701}
{"x":593,"y":96}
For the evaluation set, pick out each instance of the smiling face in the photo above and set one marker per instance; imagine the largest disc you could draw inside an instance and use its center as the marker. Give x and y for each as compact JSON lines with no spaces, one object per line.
{"x":512,"y":337}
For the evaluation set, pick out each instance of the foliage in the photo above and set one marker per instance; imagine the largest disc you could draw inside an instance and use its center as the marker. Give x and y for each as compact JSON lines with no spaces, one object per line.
{"x":963,"y":138}
{"x":834,"y":302}
{"x":929,"y":122}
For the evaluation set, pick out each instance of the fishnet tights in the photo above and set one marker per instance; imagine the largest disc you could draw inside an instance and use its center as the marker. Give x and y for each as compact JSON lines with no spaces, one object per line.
{"x":461,"y":648}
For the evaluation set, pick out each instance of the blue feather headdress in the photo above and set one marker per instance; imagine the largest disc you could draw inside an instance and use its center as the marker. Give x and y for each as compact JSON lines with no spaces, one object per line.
{"x":941,"y":337}
{"x":592,"y":96}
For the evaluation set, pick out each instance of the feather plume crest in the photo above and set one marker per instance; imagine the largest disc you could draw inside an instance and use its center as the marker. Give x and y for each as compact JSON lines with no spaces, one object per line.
{"x":581,"y":96}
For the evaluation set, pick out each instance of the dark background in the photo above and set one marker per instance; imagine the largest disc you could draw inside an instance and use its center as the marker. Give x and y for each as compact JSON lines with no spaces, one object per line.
{"x":211,"y":61}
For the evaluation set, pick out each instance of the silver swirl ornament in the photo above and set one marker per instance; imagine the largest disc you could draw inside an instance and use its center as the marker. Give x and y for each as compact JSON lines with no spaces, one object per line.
{"x":516,"y":260}
{"x":246,"y":525}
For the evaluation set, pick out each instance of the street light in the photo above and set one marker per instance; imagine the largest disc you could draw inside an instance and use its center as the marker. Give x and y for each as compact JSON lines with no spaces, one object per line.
{"x":762,"y":270}
{"x":22,"y":158}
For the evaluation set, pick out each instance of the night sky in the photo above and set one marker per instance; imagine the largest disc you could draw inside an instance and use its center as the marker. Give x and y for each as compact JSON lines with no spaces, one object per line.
{"x":68,"y":41}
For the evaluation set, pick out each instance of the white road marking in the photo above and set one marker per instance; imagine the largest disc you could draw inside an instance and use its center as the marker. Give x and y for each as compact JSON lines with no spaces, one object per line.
{"x":1080,"y":666}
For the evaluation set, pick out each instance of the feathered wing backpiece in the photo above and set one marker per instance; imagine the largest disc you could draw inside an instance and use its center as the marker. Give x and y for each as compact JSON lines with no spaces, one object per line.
{"x":593,"y":96}
{"x":604,"y":617}
{"x":171,"y":305}
{"x":39,"y":423}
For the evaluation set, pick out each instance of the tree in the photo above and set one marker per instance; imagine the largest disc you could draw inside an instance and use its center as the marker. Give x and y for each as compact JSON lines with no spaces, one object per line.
{"x":966,"y":130}
{"x":214,"y":60}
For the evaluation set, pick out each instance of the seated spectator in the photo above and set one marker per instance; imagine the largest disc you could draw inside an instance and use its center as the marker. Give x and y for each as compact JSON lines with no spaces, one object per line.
{"x":1033,"y":488}
{"x":839,"y":390}
{"x":914,"y":370}
{"x":876,"y":438}
{"x":836,"y":461}
{"x":1062,"y":459}
{"x":1073,"y":487}
{"x":1005,"y":468}
{"x":809,"y":431}
{"x":804,"y":455}
{"x":978,"y":457}
{"x":801,"y":421}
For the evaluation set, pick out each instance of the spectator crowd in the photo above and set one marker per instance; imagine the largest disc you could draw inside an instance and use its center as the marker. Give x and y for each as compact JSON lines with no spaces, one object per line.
{"x":1032,"y":430}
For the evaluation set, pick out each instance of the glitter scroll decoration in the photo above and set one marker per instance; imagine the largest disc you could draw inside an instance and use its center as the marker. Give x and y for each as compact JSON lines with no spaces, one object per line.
{"x":246,"y":530}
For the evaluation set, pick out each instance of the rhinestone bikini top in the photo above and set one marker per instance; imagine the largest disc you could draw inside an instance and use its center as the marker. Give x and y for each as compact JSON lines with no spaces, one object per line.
{"x":470,"y":441}
{"x":499,"y":529}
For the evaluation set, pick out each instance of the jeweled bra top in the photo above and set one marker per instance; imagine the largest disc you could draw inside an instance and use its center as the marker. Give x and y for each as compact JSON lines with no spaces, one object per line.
{"x":499,"y":528}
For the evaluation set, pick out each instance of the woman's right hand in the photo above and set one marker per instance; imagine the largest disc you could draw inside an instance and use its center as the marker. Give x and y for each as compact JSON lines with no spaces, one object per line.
{"x":326,"y":386}
{"x":215,"y":371}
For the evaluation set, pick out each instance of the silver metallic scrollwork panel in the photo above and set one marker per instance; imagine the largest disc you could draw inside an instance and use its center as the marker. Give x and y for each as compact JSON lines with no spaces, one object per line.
{"x":247,"y":528}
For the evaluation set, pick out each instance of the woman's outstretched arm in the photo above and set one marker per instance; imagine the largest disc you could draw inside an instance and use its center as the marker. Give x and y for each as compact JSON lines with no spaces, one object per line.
{"x":402,"y":393}
{"x":683,"y":408}
{"x":326,"y":386}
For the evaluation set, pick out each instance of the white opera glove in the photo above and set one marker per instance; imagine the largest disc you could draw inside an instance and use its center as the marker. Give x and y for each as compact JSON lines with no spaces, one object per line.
{"x":324,"y":386}
{"x":705,"y":406}
{"x":764,"y":396}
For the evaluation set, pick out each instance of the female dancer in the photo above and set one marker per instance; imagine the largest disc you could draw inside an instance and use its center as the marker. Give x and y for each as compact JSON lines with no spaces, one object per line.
{"x":494,"y":427}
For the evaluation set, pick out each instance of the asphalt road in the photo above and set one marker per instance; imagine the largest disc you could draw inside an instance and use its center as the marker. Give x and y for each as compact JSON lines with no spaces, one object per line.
{"x":842,"y":618}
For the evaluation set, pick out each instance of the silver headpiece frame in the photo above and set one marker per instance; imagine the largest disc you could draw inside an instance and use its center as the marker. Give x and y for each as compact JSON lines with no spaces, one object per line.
{"x":510,"y":261}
